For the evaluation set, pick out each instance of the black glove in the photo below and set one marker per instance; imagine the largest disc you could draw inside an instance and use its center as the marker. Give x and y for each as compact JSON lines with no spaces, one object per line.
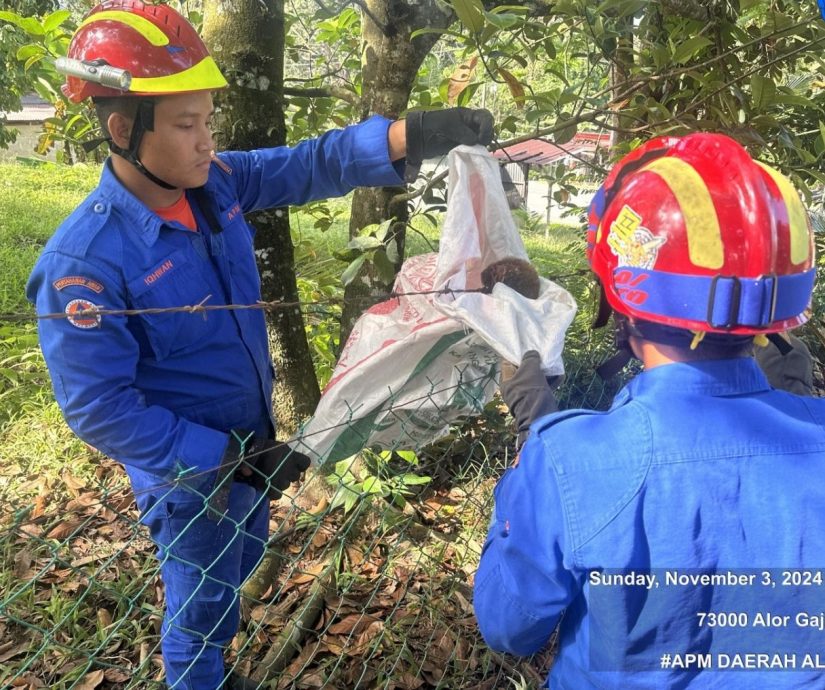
{"x":432,"y":133}
{"x":271,"y":466}
{"x":791,"y":370}
{"x":529,"y":394}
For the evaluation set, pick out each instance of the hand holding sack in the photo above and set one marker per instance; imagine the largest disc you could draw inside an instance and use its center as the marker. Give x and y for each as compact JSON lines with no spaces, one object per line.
{"x":433,"y":133}
{"x":528,"y":393}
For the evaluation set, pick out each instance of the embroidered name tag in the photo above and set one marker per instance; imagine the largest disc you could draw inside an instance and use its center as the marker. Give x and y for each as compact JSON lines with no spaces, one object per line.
{"x":159,"y":272}
{"x":81,"y":281}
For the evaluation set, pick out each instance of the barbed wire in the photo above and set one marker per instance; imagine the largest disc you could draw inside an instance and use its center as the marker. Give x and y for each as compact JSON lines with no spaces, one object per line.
{"x":202,"y":307}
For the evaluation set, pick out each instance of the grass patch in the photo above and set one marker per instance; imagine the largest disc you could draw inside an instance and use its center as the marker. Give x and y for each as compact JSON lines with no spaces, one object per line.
{"x":34,"y":200}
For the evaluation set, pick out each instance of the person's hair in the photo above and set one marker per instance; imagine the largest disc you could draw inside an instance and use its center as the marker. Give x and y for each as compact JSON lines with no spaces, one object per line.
{"x":711,"y":345}
{"x":718,"y":350}
{"x":105,"y":106}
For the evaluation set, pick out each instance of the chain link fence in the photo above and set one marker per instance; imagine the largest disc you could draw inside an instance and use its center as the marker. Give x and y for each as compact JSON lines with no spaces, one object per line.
{"x":366,"y":580}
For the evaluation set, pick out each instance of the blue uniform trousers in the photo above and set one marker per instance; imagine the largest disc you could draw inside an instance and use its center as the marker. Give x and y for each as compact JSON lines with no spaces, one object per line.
{"x":203,"y":564}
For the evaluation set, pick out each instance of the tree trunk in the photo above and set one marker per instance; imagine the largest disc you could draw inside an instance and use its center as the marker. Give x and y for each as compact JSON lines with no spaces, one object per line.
{"x":246,"y":37}
{"x":621,"y":68}
{"x":390,"y":62}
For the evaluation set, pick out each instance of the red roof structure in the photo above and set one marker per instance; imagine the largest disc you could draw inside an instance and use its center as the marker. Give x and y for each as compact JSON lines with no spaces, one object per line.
{"x":543,"y":152}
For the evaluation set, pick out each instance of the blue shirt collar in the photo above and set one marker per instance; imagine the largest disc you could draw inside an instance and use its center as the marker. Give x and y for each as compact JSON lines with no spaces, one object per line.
{"x":145,"y":222}
{"x":715,"y":377}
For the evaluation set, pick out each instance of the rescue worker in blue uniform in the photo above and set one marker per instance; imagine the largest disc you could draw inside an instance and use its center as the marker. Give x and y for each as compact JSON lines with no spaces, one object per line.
{"x":183,"y":400}
{"x":699,"y":468}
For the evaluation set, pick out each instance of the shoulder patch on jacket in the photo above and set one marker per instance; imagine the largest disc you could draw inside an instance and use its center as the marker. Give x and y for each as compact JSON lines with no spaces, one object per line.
{"x":79,"y":281}
{"x":74,"y":313}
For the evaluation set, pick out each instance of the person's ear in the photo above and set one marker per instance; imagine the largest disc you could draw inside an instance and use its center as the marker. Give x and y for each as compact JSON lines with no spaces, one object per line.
{"x":120,"y":129}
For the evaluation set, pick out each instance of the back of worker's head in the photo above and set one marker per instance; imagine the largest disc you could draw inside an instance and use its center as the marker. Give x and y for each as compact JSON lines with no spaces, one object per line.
{"x":693,"y":241}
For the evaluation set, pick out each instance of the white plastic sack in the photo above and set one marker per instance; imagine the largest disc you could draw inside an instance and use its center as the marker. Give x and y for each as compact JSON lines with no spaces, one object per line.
{"x":479,"y":230}
{"x":417,"y":363}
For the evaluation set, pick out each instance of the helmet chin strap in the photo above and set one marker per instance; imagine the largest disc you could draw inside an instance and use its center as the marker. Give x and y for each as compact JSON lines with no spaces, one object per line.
{"x":144,"y":122}
{"x":623,"y":329}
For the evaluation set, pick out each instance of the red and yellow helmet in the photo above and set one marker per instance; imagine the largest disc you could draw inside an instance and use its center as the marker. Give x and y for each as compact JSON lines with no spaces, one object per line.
{"x":691,"y":232}
{"x":158,"y":47}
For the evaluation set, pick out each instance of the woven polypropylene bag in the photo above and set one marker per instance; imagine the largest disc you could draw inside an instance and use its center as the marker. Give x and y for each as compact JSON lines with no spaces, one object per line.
{"x":414,"y":364}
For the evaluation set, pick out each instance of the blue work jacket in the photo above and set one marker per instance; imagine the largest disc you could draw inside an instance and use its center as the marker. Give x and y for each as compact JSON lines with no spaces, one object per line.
{"x":159,"y":391}
{"x":697,"y":469}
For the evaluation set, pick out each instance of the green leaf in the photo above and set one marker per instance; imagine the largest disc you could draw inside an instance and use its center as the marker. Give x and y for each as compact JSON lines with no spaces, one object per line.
{"x":794,"y":99}
{"x":381,"y":230}
{"x":349,"y":501}
{"x":421,"y":32}
{"x":747,"y":4}
{"x":352,"y":270}
{"x":565,"y":131}
{"x":11,"y":17}
{"x":686,"y":50}
{"x":502,"y":21}
{"x":364,"y":243}
{"x":470,"y":13}
{"x":408,"y":455}
{"x":515,"y":9}
{"x":822,"y":132}
{"x":31,"y":26}
{"x":413,"y":479}
{"x":28,"y":50}
{"x":55,"y":19}
{"x":392,"y":252}
{"x":32,"y":60}
{"x":10,"y":374}
{"x":348,"y":254}
{"x":763,"y":91}
{"x":467,"y":94}
{"x":444,"y":89}
{"x":384,"y":267}
{"x":372,"y":485}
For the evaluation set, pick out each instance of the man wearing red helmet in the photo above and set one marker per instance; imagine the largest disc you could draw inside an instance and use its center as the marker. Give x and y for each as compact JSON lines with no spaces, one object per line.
{"x":184,"y":400}
{"x":677,"y":536}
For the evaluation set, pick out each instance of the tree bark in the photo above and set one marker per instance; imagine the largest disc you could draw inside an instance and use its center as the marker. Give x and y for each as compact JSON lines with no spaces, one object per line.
{"x":390,"y":62}
{"x":246,"y":37}
{"x":621,"y":69}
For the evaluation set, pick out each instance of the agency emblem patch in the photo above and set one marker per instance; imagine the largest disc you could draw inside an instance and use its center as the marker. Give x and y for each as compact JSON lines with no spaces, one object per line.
{"x":82,"y":320}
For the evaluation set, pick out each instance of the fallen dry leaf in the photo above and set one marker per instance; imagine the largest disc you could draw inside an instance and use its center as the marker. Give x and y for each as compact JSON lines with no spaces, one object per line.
{"x":22,"y":563}
{"x":72,"y":482}
{"x":63,"y":530}
{"x":354,"y":624}
{"x":11,"y":653}
{"x":91,"y":680}
{"x":114,"y":675}
{"x":104,"y":618}
{"x":308,"y":574}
